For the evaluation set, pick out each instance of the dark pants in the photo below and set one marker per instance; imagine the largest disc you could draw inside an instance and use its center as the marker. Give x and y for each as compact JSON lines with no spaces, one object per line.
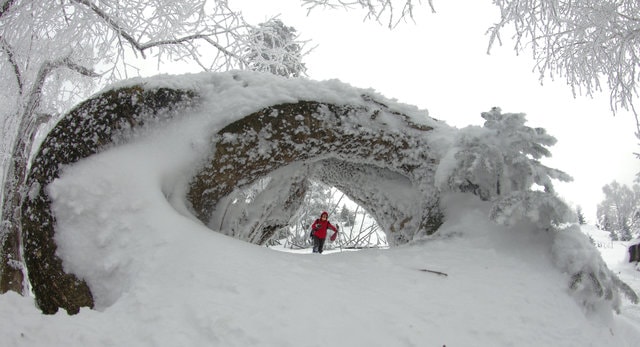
{"x":318,"y":243}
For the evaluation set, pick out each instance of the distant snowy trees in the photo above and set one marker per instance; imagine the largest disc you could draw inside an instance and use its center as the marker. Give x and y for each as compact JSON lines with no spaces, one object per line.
{"x":321,"y":197}
{"x":347,"y":217}
{"x":619,"y":212}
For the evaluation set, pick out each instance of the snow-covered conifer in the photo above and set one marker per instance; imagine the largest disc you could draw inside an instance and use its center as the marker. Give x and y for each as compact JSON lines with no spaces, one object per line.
{"x":347,"y":216}
{"x":500,"y":158}
{"x":581,"y":218}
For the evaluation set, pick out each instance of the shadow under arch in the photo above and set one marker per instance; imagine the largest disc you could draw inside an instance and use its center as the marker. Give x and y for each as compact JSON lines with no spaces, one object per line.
{"x":348,"y":146}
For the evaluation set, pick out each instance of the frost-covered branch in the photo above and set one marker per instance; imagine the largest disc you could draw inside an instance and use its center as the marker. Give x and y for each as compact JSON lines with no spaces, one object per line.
{"x":391,"y":12}
{"x":593,"y":284}
{"x":591,"y":44}
{"x":583,"y":41}
{"x":13,"y":64}
{"x":112,"y":23}
{"x":142,"y":47}
{"x":45,"y":70}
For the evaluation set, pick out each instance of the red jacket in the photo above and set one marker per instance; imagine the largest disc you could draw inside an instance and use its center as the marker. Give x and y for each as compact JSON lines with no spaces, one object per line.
{"x":320,"y":227}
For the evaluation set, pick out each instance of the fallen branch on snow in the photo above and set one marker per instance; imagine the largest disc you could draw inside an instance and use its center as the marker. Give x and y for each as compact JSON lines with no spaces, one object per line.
{"x":434,"y":272}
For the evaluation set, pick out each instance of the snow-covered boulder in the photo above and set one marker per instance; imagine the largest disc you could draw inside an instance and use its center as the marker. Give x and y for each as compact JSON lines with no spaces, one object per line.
{"x":374,"y":148}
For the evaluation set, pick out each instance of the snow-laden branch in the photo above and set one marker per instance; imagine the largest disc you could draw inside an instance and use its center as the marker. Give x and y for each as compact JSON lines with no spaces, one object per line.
{"x":112,"y":23}
{"x":391,"y":12}
{"x":6,"y":48}
{"x":142,"y":47}
{"x":45,"y":70}
{"x":582,"y":41}
{"x":588,"y":43}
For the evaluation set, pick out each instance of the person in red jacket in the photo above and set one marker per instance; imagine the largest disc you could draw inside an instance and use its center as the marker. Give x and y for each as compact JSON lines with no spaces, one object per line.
{"x":319,"y":232}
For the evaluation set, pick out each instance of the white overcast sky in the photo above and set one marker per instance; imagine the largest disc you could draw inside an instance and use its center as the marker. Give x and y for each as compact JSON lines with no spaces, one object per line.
{"x":439,"y":63}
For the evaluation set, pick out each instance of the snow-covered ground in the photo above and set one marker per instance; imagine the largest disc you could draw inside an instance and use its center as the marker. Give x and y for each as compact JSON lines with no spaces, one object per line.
{"x":160,"y":278}
{"x":192,"y":287}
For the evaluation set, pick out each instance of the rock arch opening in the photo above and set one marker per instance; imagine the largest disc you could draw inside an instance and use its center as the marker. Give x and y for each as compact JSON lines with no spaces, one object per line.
{"x":242,"y":211}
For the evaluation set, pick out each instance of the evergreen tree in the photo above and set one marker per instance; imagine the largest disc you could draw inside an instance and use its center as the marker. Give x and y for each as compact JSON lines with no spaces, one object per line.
{"x":613,"y":236}
{"x":618,"y":212}
{"x":501,"y":158}
{"x":346,"y":216}
{"x":581,"y":219}
{"x":625,"y":232}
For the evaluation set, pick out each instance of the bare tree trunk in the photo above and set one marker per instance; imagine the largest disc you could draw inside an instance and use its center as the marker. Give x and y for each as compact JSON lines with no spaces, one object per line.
{"x":12,"y":265}
{"x":12,"y":276}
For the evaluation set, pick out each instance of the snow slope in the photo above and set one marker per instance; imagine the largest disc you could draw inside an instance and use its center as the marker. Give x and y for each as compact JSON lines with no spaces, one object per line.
{"x":192,"y":287}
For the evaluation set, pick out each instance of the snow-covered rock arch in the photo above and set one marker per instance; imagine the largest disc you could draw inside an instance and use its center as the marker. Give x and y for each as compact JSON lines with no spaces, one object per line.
{"x":387,"y":171}
{"x":382,"y":154}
